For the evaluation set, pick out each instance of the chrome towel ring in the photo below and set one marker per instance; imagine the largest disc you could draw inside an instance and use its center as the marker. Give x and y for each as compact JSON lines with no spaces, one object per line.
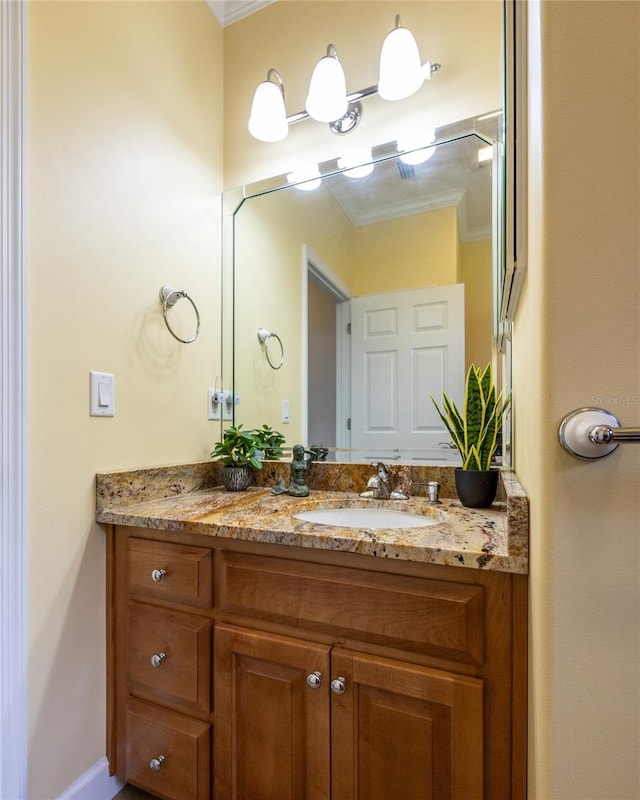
{"x":169,"y":297}
{"x":265,"y":336}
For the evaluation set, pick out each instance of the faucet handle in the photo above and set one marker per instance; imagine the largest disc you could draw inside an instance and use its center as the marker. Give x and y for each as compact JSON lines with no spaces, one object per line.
{"x":433,"y":490}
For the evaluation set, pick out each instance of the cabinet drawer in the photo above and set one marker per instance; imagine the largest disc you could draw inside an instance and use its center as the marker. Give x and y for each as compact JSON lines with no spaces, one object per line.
{"x":173,"y":572}
{"x":442,"y":618}
{"x":169,"y":656}
{"x":181,"y":745}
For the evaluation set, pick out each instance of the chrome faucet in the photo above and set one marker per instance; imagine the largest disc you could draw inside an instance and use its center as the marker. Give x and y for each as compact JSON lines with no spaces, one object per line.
{"x":379,"y":486}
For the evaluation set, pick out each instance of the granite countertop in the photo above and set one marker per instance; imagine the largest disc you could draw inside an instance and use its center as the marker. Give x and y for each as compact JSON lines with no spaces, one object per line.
{"x":187,"y":499}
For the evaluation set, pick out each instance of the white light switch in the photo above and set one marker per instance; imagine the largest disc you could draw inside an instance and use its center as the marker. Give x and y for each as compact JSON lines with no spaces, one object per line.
{"x":214,"y":404}
{"x":102,"y":395}
{"x":285,"y":411}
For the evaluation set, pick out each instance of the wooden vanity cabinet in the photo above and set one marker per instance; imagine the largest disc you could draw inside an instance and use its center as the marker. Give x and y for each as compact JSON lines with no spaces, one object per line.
{"x":294,"y":719}
{"x":295,"y":674}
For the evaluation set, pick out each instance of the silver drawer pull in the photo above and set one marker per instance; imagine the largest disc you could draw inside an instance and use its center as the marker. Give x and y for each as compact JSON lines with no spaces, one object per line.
{"x":156,"y":763}
{"x":158,"y":574}
{"x":589,"y":433}
{"x":339,"y":685}
{"x":314,"y":679}
{"x":157,"y":659}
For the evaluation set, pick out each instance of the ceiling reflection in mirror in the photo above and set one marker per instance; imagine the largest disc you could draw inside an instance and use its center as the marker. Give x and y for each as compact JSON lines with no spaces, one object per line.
{"x":378,"y":292}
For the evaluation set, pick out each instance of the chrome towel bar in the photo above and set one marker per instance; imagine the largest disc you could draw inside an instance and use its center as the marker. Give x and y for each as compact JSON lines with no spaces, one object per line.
{"x":589,"y":433}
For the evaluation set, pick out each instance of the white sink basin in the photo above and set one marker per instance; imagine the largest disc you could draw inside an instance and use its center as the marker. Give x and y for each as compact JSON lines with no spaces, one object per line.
{"x":366,"y":518}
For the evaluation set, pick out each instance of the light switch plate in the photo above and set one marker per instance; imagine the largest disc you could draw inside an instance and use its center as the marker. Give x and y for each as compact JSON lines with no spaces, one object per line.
{"x":102,"y":394}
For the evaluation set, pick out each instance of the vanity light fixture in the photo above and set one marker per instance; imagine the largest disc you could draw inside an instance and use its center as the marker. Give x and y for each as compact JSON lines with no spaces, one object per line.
{"x":358,"y":165}
{"x":305,"y":178}
{"x":401,"y":75}
{"x":268,"y":120}
{"x":327,"y":98}
{"x":412,"y":150}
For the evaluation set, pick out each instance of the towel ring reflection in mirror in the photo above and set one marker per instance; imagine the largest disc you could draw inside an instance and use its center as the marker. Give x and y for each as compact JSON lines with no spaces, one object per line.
{"x":169,"y":297}
{"x":265,"y":337}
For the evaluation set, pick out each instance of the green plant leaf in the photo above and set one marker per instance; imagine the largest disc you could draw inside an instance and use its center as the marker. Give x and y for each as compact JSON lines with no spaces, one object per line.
{"x":473,"y":410}
{"x":237,"y":448}
{"x":269,"y":441}
{"x":475,"y":431}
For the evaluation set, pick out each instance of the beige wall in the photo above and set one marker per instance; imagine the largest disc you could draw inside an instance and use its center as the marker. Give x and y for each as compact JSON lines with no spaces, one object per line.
{"x":124,"y":162}
{"x":268,"y":283}
{"x":402,"y":253}
{"x":576,"y":344}
{"x":474,"y":270}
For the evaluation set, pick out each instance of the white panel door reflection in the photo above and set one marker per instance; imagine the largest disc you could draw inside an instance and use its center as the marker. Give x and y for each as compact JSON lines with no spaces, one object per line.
{"x":405,"y":346}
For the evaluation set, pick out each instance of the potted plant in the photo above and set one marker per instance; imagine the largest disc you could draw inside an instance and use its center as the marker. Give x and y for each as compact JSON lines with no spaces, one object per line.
{"x":269,"y":443}
{"x":238,"y":452}
{"x":474,"y":432}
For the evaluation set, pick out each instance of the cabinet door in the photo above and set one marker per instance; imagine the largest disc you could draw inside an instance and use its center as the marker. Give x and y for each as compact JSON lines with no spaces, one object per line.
{"x":272,"y":727}
{"x":404,"y":731}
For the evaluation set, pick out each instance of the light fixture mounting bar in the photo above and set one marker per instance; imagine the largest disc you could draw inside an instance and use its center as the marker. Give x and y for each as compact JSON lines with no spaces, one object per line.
{"x":351,"y":98}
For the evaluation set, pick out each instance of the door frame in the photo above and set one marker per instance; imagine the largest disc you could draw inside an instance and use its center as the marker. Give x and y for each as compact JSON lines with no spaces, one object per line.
{"x":13,"y":403}
{"x":338,"y":289}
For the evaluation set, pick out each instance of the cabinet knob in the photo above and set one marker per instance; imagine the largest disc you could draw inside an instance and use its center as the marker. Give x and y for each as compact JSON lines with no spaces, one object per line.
{"x":339,"y":685}
{"x":156,"y":763}
{"x":314,"y":679}
{"x":158,"y":574}
{"x":157,"y":659}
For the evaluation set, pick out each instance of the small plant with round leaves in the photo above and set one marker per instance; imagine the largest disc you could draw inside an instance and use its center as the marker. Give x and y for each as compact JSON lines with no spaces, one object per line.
{"x":238,"y":448}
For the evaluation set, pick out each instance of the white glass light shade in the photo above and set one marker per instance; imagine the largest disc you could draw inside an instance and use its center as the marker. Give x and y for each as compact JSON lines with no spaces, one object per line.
{"x":305,"y":178}
{"x":357,"y":165}
{"x":418,"y":156}
{"x":268,"y":120}
{"x":327,"y":98}
{"x":401,"y":73}
{"x":411,"y":146}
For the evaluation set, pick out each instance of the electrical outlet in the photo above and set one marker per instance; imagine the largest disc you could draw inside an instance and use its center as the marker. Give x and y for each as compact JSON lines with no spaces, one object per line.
{"x":214,"y":404}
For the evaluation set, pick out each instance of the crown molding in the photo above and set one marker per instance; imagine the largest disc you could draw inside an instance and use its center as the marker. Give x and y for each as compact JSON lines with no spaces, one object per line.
{"x":229,"y":11}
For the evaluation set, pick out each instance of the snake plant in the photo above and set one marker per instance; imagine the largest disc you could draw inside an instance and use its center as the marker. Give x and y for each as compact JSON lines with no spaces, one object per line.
{"x":474,"y":431}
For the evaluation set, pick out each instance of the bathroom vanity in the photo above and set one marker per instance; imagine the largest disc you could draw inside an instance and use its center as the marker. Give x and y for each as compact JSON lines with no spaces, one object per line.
{"x":253,"y":655}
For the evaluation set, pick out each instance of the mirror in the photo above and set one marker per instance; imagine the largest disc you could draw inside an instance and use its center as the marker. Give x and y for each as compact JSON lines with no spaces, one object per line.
{"x":349,"y":304}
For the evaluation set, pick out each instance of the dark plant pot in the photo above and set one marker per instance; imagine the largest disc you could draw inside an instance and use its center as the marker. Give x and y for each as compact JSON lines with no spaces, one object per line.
{"x":236,"y":479}
{"x":476,"y":489}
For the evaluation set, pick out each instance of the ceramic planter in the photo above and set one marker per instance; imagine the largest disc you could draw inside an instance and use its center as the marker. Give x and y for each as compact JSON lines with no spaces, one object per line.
{"x":476,"y":489}
{"x":236,"y":479}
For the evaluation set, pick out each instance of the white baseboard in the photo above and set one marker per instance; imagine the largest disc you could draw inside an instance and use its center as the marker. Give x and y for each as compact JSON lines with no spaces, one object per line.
{"x":95,"y":784}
